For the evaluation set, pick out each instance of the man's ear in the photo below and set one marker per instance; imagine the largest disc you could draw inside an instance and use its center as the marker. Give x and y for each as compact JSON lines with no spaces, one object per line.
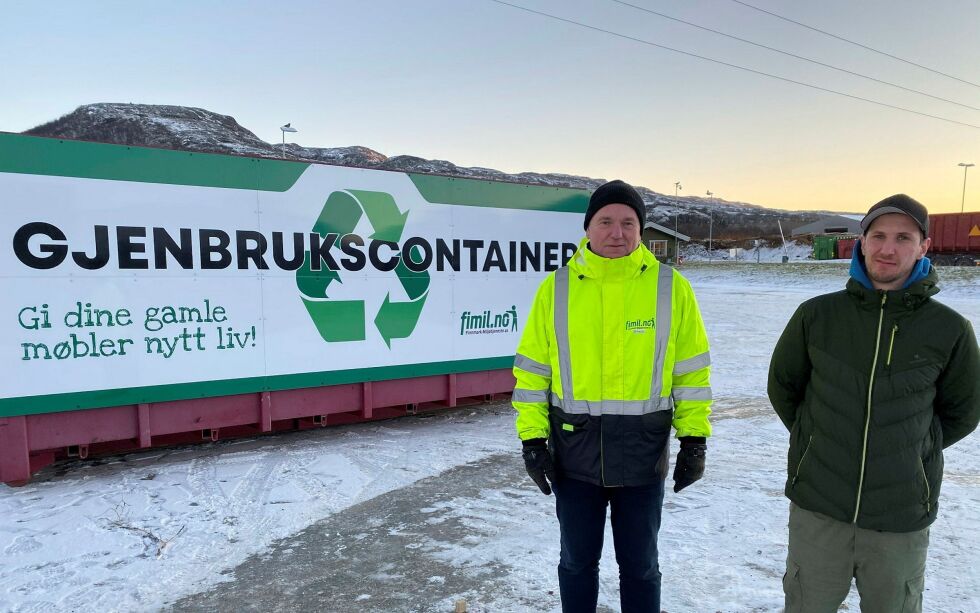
{"x":925,"y":247}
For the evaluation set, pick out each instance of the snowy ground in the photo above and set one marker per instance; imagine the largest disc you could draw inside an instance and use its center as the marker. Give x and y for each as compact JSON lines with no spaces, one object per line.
{"x":139,"y":532}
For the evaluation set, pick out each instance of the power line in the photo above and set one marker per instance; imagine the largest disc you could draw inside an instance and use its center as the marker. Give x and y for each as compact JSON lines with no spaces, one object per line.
{"x":894,"y":57}
{"x":793,"y":55}
{"x":752,"y":70}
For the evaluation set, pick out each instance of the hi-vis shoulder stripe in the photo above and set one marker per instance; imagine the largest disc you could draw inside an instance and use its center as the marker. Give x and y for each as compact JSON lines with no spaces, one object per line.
{"x":521,"y":395}
{"x":691,"y":364}
{"x":691,"y":393}
{"x":532,"y":366}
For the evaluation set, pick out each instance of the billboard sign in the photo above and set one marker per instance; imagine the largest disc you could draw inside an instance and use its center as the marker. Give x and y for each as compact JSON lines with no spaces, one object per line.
{"x":141,"y":275}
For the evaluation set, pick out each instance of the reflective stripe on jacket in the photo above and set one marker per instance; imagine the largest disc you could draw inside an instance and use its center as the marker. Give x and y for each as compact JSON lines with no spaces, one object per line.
{"x":614,"y":352}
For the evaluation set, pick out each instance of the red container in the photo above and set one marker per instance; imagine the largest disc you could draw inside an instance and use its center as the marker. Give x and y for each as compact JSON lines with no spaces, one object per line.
{"x":955,"y":232}
{"x":31,"y":442}
{"x":845,"y":248}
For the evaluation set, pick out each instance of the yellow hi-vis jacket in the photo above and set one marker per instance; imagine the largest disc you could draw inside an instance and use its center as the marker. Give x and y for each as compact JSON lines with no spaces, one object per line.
{"x":613,"y":353}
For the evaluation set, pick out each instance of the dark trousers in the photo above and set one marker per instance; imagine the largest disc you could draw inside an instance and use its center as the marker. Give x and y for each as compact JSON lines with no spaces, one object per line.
{"x":581,"y":509}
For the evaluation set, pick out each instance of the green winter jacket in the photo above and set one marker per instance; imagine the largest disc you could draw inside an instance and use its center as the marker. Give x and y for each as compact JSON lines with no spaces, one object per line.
{"x":873,"y":385}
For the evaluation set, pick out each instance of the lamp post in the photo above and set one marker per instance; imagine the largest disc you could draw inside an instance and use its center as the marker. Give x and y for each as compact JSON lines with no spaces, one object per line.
{"x":286,"y":128}
{"x":965,"y":168}
{"x":677,"y":253}
{"x":710,"y":223}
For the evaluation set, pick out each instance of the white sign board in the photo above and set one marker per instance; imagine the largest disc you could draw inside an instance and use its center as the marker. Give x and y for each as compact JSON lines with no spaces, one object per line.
{"x":158,"y":277}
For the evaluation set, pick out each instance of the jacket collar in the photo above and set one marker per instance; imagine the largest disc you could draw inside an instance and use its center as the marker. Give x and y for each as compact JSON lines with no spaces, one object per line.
{"x":589,"y":264}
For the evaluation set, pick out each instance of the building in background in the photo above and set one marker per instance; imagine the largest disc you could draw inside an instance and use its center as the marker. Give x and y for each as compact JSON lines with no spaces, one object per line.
{"x":831,"y":224}
{"x":663,"y":241}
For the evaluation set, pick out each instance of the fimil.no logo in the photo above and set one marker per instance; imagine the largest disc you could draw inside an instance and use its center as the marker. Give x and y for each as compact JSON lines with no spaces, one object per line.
{"x":640,"y":325}
{"x":488,"y":322}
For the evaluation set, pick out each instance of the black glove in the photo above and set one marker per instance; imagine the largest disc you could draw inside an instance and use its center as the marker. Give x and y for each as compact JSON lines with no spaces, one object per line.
{"x":690,"y":461}
{"x":537,"y":461}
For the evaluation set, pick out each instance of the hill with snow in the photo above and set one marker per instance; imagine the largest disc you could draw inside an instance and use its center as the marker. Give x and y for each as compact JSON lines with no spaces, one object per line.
{"x":196,"y":129}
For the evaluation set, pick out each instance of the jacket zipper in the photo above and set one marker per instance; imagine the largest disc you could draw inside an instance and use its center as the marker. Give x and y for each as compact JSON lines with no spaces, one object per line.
{"x":891,"y":345}
{"x":796,"y":477}
{"x":928,"y":489}
{"x":867,"y":416}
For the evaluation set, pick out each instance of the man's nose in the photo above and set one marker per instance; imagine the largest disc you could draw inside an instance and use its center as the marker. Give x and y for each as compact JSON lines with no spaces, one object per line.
{"x":617,"y":231}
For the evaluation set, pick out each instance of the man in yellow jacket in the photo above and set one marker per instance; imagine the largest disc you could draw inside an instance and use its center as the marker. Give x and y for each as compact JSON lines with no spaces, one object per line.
{"x":614,"y":353}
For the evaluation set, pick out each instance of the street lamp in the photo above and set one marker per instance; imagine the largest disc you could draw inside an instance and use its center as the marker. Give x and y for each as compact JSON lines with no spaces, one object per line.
{"x":286,"y":128}
{"x":711,"y":220}
{"x":677,"y":253}
{"x":965,"y":168}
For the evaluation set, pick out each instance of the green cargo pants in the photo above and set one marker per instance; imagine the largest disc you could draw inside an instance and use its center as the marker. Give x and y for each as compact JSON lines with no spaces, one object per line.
{"x":825,"y":554}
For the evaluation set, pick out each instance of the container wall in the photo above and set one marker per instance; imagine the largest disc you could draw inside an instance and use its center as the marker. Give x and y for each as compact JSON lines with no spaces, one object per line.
{"x":845,"y":248}
{"x":955,"y":232}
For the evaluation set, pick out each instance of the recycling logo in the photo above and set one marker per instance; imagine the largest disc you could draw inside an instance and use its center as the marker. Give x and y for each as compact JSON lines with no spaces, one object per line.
{"x":346,"y":320}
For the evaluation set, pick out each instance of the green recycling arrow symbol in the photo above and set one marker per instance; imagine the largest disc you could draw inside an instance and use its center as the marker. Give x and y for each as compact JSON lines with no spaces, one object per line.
{"x":344,"y":320}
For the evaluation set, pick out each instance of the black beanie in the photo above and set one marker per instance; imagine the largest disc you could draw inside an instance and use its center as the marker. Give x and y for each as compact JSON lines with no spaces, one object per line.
{"x":899,"y":203}
{"x":616,"y":192}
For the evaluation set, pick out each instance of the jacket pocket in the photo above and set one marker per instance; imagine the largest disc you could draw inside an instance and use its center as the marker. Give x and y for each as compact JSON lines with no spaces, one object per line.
{"x":928,"y":487}
{"x":799,"y":465}
{"x":646,"y":445}
{"x":655,"y":425}
{"x":575,"y":442}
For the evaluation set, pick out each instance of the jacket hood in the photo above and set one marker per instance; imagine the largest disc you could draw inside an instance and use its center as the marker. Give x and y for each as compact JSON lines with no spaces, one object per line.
{"x":920,"y":285}
{"x":587,"y":263}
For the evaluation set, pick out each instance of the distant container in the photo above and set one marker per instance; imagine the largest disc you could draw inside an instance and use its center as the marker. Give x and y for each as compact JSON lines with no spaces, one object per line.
{"x":825,"y":246}
{"x":736,"y":253}
{"x":955,"y":232}
{"x":845,"y":248}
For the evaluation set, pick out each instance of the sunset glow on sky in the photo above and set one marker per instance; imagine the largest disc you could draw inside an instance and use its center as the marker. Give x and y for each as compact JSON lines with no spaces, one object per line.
{"x":480,"y":83}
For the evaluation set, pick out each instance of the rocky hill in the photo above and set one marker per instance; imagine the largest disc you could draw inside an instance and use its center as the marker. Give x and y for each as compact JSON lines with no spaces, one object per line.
{"x":195,"y":129}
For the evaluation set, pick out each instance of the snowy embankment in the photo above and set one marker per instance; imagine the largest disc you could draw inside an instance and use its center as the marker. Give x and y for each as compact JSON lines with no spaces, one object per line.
{"x":139,"y":531}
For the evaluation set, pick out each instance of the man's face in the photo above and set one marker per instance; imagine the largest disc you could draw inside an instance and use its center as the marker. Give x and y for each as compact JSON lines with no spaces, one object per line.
{"x":892,"y":247}
{"x":614,"y":231}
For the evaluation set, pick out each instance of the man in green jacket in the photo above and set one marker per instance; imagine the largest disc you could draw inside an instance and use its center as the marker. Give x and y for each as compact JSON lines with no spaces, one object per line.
{"x":614,"y":354}
{"x":873,"y":382}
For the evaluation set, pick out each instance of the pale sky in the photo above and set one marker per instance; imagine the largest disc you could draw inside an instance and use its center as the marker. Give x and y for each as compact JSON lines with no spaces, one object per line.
{"x":482,"y":84}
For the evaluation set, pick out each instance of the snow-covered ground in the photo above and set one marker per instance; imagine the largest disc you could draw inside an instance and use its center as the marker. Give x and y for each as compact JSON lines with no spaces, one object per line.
{"x":136,"y":532}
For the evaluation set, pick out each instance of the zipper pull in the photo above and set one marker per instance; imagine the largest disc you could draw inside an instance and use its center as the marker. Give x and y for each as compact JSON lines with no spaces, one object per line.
{"x":891,"y":345}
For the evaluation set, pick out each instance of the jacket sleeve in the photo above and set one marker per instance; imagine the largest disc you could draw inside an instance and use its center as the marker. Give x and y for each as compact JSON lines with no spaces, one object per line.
{"x":532,"y":367}
{"x":958,"y":389}
{"x":789,"y":370}
{"x":690,"y":376}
